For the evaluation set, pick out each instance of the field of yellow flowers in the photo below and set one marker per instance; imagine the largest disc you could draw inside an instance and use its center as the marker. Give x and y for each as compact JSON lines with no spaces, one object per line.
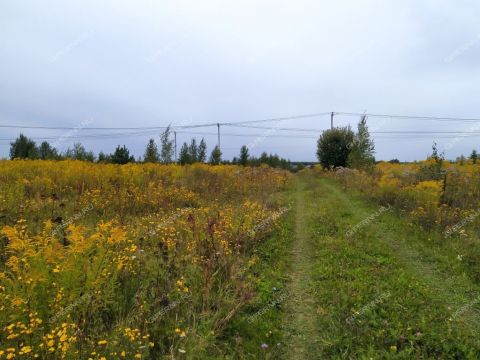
{"x":138,"y":261}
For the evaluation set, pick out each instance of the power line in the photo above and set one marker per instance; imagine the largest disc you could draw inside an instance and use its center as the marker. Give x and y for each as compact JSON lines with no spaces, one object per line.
{"x":275,"y":128}
{"x":87,"y":136}
{"x":380,"y":134}
{"x":428,"y":132}
{"x":294,"y":117}
{"x":103,"y":136}
{"x":78,"y":128}
{"x":412,"y":117}
{"x":150,"y":131}
{"x":248,"y":135}
{"x":81,"y":128}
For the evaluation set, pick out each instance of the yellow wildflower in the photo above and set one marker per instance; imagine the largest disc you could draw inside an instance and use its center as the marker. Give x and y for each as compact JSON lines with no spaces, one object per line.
{"x":26,"y":349}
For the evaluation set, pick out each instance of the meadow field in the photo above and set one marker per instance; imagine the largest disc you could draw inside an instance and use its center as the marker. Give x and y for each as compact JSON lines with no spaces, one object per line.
{"x":135,"y":261}
{"x":150,"y":261}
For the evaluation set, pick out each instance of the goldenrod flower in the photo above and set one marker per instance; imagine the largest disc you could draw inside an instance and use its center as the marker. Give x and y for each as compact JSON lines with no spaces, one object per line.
{"x":26,"y":349}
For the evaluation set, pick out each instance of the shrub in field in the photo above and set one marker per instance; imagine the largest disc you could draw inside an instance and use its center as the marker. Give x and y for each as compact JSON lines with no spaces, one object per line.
{"x":334,"y":147}
{"x":433,"y":201}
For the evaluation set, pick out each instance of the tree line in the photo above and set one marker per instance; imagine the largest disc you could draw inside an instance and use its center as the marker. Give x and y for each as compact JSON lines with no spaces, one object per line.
{"x":337,"y":147}
{"x":193,"y":152}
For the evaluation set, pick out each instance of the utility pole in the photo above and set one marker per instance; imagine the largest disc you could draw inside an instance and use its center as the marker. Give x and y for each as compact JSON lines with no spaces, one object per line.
{"x":218,"y":131}
{"x":175,"y":140}
{"x":331,"y":120}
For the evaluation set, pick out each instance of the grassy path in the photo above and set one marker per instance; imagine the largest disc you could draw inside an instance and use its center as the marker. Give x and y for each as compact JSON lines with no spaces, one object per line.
{"x":300,"y":323}
{"x":383,"y":292}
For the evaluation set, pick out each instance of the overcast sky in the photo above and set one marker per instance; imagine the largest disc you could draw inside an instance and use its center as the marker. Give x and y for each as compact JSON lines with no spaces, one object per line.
{"x":152,"y":63}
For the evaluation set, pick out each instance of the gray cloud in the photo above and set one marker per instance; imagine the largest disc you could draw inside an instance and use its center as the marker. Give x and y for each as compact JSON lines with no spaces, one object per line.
{"x":149,"y":63}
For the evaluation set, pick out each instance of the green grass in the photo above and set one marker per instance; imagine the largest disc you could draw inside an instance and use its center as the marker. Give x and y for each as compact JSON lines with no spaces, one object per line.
{"x":390,"y":291}
{"x":259,"y":322}
{"x":404,"y":291}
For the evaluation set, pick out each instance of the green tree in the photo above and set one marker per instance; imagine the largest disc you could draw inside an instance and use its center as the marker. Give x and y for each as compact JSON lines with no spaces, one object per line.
{"x":103,"y":158}
{"x":121,"y":155}
{"x":363,"y":148}
{"x":474,"y":156}
{"x":244,"y":155}
{"x":151,"y":152}
{"x":334,"y":146}
{"x":216,"y":156}
{"x":184,"y":155}
{"x":202,"y":151}
{"x":438,"y":157}
{"x":193,"y":151}
{"x":432,"y":171}
{"x":79,"y":153}
{"x":273,"y":160}
{"x":264,"y":158}
{"x":23,"y":148}
{"x":47,"y":152}
{"x":166,"y":149}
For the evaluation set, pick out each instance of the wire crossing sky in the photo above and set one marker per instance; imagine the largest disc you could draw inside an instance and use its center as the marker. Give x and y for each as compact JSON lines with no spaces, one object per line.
{"x":108,"y":73}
